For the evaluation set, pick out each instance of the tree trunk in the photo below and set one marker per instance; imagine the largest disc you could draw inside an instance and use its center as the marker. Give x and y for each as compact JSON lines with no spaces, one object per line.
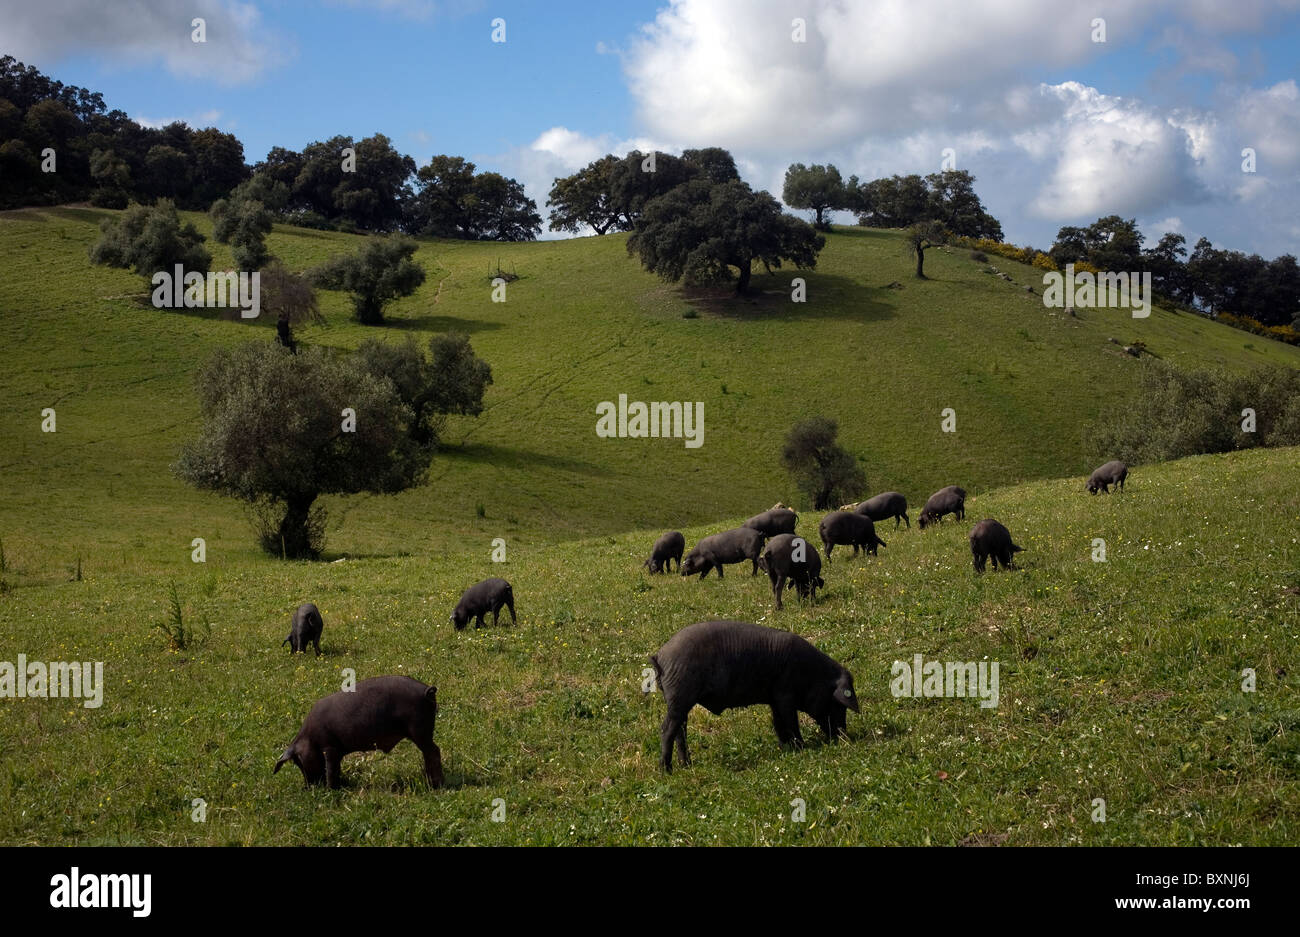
{"x":295,"y":538}
{"x":370,"y":312}
{"x":742,"y":284}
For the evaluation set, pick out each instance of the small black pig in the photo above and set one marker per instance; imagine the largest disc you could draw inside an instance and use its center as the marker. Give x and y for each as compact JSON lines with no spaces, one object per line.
{"x":667,"y":548}
{"x":730,"y":546}
{"x":777,"y":520}
{"x":479,"y":599}
{"x":304,"y":628}
{"x":376,"y":714}
{"x":849,"y":528}
{"x":1112,"y":473}
{"x":785,"y":569}
{"x":950,"y":500}
{"x":885,"y":505}
{"x":989,"y":539}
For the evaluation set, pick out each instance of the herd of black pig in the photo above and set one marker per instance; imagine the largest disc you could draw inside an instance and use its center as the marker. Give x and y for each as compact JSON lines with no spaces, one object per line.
{"x":719,"y":665}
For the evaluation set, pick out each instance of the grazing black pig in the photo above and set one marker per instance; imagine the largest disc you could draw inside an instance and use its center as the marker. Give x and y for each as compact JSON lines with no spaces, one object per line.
{"x":773,"y":521}
{"x":950,"y":500}
{"x":792,"y":561}
{"x":849,"y":528}
{"x":481,"y":598}
{"x":376,"y":714}
{"x":725,"y":665}
{"x":1112,"y":473}
{"x":989,"y":539}
{"x":304,"y":628}
{"x":884,"y":506}
{"x":667,"y":548}
{"x":730,"y":546}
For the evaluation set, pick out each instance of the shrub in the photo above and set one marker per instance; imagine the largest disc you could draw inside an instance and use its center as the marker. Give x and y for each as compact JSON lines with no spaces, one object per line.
{"x":243,"y":223}
{"x":381,"y":271}
{"x":824,"y":471}
{"x":1182,"y":413}
{"x":1282,"y":333}
{"x":150,"y":239}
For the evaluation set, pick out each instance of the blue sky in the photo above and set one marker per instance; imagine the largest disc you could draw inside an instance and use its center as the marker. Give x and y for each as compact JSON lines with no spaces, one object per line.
{"x":1057,"y":128}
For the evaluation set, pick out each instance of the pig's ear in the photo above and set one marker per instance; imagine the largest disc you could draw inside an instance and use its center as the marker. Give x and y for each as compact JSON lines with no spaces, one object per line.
{"x":287,"y":756}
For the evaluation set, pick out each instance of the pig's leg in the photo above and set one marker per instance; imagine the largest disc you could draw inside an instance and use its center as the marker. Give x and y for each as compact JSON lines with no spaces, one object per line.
{"x":432,"y":764}
{"x":667,"y":735}
{"x":785,"y":720}
{"x":333,"y":776}
{"x":510,"y":604}
{"x":682,"y":754}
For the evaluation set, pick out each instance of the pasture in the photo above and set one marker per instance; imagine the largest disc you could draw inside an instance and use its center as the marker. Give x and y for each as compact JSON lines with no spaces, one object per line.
{"x":1120,"y":679}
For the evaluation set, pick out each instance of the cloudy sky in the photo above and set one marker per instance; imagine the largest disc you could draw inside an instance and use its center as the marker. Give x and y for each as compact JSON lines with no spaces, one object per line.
{"x":1057,"y":127}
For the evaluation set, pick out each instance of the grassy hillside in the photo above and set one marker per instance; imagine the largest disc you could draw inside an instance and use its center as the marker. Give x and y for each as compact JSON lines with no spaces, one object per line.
{"x":581,"y":325}
{"x":1119,"y":680}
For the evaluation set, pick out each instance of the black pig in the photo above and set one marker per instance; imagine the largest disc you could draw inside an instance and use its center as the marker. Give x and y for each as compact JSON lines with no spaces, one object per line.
{"x":304,"y":628}
{"x":989,"y":539}
{"x":376,"y":714}
{"x":950,"y":500}
{"x":849,"y":528}
{"x":784,"y":570}
{"x":772,"y":522}
{"x":730,"y":546}
{"x":725,"y":665}
{"x":1112,"y":473}
{"x":667,"y":548}
{"x":884,"y":506}
{"x":479,"y":599}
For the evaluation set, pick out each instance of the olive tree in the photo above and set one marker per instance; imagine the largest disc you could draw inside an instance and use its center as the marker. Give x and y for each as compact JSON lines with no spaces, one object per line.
{"x":823,"y":470}
{"x":279,"y":430}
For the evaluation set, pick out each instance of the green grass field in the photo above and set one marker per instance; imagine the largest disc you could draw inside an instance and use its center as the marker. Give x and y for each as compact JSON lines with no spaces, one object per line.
{"x":1120,"y":680}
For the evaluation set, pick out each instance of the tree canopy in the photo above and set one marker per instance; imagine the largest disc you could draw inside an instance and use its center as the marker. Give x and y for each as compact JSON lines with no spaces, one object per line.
{"x":150,"y":238}
{"x":585,"y":200}
{"x":818,"y":189}
{"x":823,"y":470}
{"x":947,"y":197}
{"x":699,"y":230}
{"x":455,"y":201}
{"x":280,"y":430}
{"x":381,"y":271}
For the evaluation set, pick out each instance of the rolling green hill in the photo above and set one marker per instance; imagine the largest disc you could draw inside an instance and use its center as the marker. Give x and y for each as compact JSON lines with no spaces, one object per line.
{"x":1120,"y":680}
{"x":582,"y":325}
